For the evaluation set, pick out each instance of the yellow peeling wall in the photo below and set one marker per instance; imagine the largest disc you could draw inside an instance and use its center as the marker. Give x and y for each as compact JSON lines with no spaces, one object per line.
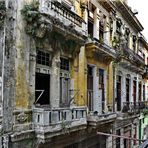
{"x":22,"y":87}
{"x":84,"y":59}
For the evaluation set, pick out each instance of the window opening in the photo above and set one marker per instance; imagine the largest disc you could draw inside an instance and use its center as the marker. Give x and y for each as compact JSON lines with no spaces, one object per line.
{"x":140,"y":91}
{"x":42,"y":87}
{"x":90,"y":87}
{"x":118,"y":83}
{"x":134,"y":91}
{"x":91,"y":20}
{"x":64,"y":83}
{"x":118,"y":139}
{"x":127,"y":89}
{"x":43,"y":58}
{"x":101,"y":88}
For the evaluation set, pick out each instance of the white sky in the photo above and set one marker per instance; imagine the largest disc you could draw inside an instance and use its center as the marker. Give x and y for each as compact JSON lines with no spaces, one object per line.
{"x":142,"y":7}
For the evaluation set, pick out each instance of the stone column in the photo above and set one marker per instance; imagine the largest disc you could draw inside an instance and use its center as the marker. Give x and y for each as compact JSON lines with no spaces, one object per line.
{"x":82,"y":79}
{"x":121,"y":139}
{"x":123,"y":90}
{"x":142,"y":90}
{"x":55,"y":81}
{"x":115,"y":89}
{"x":96,"y":24}
{"x":131,"y":89}
{"x":96,"y":92}
{"x":137,"y":89}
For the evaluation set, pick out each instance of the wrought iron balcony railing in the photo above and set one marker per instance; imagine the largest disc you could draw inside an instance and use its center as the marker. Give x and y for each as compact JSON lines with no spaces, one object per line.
{"x":133,"y":106}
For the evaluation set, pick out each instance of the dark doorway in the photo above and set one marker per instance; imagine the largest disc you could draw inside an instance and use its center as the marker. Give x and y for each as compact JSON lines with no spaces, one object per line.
{"x":90,"y":88}
{"x":101,"y":88}
{"x":118,"y":93}
{"x":127,"y":89}
{"x":134,"y":91}
{"x":118,"y":139}
{"x":42,"y":89}
{"x":140,"y":95}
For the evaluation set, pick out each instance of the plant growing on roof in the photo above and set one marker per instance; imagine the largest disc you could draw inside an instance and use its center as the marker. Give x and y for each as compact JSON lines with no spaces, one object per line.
{"x":2,"y":13}
{"x":33,"y":19}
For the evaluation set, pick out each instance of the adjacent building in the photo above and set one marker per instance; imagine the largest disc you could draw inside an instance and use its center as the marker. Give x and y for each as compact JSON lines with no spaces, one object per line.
{"x":72,"y":71}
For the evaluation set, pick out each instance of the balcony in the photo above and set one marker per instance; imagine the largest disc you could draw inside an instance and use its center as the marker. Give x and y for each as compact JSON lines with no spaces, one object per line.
{"x":133,"y":107}
{"x":94,"y":119}
{"x":57,"y":121}
{"x":129,"y":56}
{"x":62,"y":18}
{"x":101,"y":49}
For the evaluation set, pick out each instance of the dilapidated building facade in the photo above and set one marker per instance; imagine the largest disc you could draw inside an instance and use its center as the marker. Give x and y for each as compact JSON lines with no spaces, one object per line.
{"x":70,"y":69}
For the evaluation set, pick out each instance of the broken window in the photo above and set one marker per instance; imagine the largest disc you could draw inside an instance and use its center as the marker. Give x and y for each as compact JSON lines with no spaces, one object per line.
{"x":64,"y":83}
{"x":42,"y":78}
{"x":42,"y":87}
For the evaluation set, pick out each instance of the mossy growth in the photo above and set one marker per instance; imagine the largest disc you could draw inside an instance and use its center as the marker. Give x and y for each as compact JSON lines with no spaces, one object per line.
{"x":116,"y":42}
{"x":2,"y":13}
{"x":32,"y":16}
{"x":145,"y":112}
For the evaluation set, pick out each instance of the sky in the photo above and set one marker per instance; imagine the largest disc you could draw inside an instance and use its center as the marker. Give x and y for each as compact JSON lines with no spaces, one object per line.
{"x":142,"y":7}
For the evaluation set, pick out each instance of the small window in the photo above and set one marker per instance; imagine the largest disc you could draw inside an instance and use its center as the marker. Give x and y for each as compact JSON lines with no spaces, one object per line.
{"x":134,"y":42}
{"x":64,"y":64}
{"x":43,"y":58}
{"x":143,"y":120}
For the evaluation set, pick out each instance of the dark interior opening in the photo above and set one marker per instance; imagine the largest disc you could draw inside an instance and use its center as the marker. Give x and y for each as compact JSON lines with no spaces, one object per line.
{"x":90,"y":28}
{"x":42,"y":89}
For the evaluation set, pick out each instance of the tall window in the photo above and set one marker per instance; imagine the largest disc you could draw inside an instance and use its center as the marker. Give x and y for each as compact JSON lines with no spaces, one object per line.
{"x":91,"y":20}
{"x":43,"y":58}
{"x":140,"y":91}
{"x":118,"y":26}
{"x":111,"y":29}
{"x":134,"y":42}
{"x":127,"y":34}
{"x":64,"y":82}
{"x":101,"y":88}
{"x":127,"y":89}
{"x":90,"y":87}
{"x":134,"y":90}
{"x":118,"y":83}
{"x":143,"y":92}
{"x":42,"y":78}
{"x":101,"y":28}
